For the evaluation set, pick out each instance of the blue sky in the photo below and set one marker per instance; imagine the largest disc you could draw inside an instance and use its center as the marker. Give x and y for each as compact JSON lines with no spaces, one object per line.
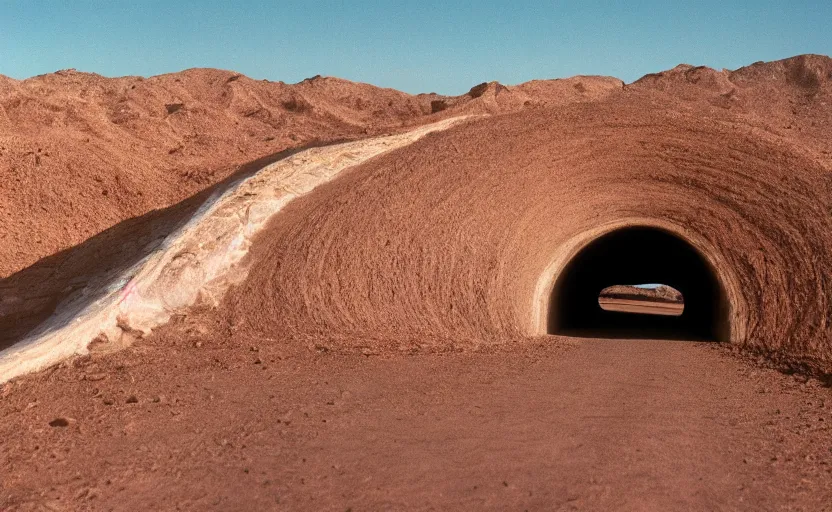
{"x":418,"y":46}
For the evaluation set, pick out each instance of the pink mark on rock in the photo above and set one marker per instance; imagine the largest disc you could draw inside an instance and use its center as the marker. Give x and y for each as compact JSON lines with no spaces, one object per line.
{"x":128,"y":292}
{"x":236,"y":243}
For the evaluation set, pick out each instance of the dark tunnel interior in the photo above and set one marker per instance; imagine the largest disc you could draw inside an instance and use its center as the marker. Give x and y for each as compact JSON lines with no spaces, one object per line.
{"x":639,"y":255}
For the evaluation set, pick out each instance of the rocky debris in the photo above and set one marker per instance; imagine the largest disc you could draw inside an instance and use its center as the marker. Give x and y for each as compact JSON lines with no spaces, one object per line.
{"x":61,"y":422}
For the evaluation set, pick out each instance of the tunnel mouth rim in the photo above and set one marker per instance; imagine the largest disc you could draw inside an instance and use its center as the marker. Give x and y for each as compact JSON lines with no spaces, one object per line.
{"x":736,"y":318}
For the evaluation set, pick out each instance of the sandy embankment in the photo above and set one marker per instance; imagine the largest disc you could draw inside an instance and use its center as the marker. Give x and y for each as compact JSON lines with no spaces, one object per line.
{"x":461,"y":237}
{"x":194,"y":264}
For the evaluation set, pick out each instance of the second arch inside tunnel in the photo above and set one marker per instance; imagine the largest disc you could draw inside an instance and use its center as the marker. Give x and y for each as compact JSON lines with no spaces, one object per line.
{"x":634,"y":255}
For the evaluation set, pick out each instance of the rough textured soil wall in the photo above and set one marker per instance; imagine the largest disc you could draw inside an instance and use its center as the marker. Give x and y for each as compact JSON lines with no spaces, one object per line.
{"x":460,"y":236}
{"x":106,"y":295}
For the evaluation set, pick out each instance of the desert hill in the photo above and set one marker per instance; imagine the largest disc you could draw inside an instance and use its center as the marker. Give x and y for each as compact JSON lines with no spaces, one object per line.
{"x":463,"y":240}
{"x":789,"y":97}
{"x":460,"y":236}
{"x":80,"y":152}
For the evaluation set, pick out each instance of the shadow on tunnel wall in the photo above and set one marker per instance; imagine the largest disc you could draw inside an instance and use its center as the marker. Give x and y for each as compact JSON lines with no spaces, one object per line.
{"x":639,"y":255}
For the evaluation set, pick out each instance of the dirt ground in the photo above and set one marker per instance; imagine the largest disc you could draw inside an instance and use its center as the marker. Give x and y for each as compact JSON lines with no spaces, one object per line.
{"x":641,"y":306}
{"x":540,"y":424}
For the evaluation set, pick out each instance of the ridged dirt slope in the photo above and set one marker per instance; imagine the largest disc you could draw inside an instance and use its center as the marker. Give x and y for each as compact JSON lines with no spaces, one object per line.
{"x":190,"y":262}
{"x":80,"y":153}
{"x":458,"y":237}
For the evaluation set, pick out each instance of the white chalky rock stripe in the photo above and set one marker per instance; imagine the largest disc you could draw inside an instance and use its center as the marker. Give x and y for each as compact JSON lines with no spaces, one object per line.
{"x":199,"y":260}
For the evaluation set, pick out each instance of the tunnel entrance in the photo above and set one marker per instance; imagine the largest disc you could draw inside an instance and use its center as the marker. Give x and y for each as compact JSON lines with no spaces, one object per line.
{"x":638,"y":255}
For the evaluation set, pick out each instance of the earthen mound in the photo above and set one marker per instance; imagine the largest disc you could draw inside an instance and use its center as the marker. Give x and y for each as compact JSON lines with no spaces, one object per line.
{"x":468,"y":234}
{"x":80,"y":153}
{"x":716,"y":183}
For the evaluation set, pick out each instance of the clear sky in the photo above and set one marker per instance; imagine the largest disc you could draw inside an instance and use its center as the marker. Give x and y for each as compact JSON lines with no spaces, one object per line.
{"x":415,"y":46}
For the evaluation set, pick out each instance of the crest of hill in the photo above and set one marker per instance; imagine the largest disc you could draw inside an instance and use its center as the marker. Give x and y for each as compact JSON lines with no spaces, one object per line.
{"x":496,"y":98}
{"x":80,"y":152}
{"x":802,"y":77}
{"x":787,"y":98}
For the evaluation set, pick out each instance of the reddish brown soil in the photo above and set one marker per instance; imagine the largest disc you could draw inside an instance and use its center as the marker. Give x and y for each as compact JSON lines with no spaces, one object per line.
{"x":80,"y":152}
{"x":448,"y":238}
{"x":262,"y":424}
{"x":641,"y":305}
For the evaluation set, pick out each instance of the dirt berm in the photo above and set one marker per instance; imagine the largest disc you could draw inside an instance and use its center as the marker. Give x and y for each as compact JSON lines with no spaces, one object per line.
{"x":714,"y":182}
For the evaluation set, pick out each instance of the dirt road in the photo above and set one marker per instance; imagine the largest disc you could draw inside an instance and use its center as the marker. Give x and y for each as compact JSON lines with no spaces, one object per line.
{"x":641,"y":306}
{"x":549,"y":424}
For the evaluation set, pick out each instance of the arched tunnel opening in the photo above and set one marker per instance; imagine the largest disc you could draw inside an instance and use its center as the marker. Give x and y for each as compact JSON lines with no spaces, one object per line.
{"x":639,"y":255}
